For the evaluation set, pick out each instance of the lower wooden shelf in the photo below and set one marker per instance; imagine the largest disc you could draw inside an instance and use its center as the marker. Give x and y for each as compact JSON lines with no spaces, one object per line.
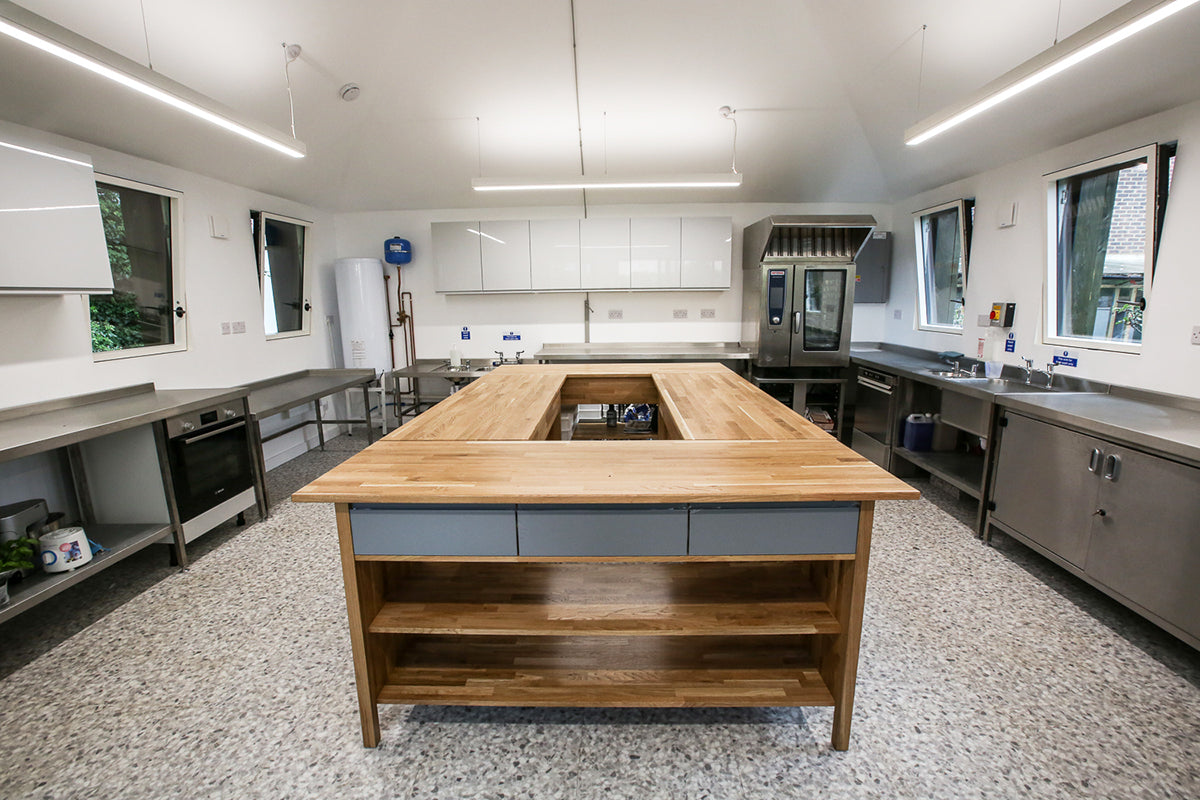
{"x":603,"y":672}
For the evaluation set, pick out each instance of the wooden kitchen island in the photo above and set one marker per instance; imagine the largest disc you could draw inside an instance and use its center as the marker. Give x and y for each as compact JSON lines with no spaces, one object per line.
{"x":724,"y":563}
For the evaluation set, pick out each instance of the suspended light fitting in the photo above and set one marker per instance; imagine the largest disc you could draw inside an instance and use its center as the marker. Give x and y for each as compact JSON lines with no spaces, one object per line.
{"x":1107,"y":31}
{"x":56,"y":40}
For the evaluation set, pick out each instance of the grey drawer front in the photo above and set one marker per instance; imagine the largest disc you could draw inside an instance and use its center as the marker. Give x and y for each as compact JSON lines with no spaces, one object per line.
{"x":434,"y":530}
{"x":811,"y":529}
{"x":631,"y":530}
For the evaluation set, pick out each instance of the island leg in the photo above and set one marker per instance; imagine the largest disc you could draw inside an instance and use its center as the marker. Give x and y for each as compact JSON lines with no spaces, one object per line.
{"x":841,"y":666}
{"x":364,"y":598}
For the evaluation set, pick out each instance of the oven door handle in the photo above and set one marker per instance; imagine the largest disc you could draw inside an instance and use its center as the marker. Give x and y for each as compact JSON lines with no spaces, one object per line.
{"x":200,"y":437}
{"x":873,"y":384}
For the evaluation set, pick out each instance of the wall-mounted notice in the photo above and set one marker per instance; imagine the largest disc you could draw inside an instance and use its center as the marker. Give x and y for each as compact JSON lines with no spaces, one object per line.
{"x":1010,"y":344}
{"x":466,"y":332}
{"x":1064,"y":359}
{"x":512,"y":336}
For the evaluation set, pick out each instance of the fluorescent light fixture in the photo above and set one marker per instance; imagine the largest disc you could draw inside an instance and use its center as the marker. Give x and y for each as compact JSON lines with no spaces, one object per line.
{"x":35,"y":31}
{"x":718,"y":180}
{"x":44,"y":154}
{"x":1102,"y":34}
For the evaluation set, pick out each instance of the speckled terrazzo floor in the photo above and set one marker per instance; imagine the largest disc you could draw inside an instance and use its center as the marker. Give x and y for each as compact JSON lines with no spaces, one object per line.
{"x":985,"y":673}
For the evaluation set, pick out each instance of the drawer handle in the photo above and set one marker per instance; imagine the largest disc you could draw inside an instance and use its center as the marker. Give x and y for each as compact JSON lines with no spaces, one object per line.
{"x":1094,"y":462}
{"x":1112,"y":468}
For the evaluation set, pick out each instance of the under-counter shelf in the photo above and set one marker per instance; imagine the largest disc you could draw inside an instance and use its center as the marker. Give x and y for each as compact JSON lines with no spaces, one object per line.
{"x":963,"y":471}
{"x":604,"y":599}
{"x":600,"y":671}
{"x":121,"y":541}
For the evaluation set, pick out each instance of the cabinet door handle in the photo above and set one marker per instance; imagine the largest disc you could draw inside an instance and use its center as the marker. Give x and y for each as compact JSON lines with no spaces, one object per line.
{"x":1112,"y":467}
{"x":1094,"y":461}
{"x":796,"y":322}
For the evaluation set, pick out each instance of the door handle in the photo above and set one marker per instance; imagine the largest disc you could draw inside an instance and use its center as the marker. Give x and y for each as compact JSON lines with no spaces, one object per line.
{"x":1094,"y":461}
{"x":796,"y":322}
{"x":1112,"y":468}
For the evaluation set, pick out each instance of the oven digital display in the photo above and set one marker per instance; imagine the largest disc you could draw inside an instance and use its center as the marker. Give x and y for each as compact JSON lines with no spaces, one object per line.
{"x":208,"y":417}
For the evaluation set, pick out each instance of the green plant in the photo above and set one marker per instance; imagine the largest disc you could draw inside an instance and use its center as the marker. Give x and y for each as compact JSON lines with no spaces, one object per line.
{"x":17,"y":554}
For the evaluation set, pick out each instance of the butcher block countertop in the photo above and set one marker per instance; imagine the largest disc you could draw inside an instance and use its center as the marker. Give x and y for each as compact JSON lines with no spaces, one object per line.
{"x":495,"y":441}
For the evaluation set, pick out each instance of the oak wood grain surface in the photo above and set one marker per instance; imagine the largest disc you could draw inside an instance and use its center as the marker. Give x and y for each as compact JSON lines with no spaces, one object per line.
{"x":486,"y":443}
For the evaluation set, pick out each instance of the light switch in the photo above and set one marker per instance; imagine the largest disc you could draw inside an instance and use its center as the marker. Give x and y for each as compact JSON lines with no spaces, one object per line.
{"x":218,"y":226}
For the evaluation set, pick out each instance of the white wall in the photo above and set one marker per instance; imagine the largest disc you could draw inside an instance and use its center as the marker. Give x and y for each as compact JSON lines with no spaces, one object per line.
{"x":45,"y":342}
{"x":558,"y":317}
{"x":1008,"y":265}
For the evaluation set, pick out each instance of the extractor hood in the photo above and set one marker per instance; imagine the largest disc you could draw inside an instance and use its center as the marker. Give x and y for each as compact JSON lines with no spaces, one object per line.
{"x":805,"y":238}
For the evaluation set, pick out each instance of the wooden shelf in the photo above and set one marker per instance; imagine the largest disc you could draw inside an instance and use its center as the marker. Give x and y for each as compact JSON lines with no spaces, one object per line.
{"x":121,"y":541}
{"x":604,"y":599}
{"x":961,"y":470}
{"x":601,"y":671}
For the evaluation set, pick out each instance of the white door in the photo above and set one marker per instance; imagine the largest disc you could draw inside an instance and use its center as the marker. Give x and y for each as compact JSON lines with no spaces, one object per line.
{"x":654,"y":253}
{"x":505,"y":255}
{"x":604,"y":253}
{"x":707,"y":252}
{"x":457,"y":256}
{"x":554,"y":253}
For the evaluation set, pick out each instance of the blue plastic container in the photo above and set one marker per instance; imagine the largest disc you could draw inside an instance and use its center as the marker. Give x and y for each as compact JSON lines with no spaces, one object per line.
{"x":918,"y":432}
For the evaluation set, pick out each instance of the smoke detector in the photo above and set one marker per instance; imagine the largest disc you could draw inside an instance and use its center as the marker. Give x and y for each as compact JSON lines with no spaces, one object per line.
{"x":349,"y":92}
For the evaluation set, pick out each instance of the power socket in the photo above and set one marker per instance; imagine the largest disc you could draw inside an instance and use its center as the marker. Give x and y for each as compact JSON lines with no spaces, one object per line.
{"x":1196,"y":334}
{"x":708,"y":313}
{"x":679,"y":313}
{"x":616,"y":313}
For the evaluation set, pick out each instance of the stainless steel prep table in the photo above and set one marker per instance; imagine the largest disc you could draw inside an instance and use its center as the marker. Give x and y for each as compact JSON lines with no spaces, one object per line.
{"x":67,"y":423}
{"x":730,"y":352}
{"x":275,"y":395}
{"x":427,"y":368}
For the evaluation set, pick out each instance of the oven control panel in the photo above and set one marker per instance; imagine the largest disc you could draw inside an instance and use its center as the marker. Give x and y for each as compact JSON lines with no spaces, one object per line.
{"x":200,"y":420}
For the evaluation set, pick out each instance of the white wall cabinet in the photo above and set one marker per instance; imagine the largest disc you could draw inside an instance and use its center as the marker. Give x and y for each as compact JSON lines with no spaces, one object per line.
{"x":609,"y":253}
{"x":707,"y":252}
{"x":654,"y":253}
{"x":504,"y":250}
{"x":604,"y":253}
{"x":554,"y":253}
{"x":457,"y":254}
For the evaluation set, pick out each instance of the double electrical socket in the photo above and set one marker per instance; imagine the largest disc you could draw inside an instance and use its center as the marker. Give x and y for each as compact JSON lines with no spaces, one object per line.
{"x":1196,"y":334}
{"x":233,"y":327}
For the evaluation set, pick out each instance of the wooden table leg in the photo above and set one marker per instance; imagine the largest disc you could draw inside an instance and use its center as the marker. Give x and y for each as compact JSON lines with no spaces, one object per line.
{"x":364,"y":597}
{"x":841,"y":668}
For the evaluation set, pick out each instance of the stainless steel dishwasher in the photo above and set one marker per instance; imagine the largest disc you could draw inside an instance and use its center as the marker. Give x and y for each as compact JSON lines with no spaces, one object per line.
{"x":874,"y":412}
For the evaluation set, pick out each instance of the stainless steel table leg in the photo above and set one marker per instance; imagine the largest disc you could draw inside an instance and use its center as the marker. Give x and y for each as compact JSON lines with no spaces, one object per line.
{"x":320,"y":424}
{"x":164,"y":466}
{"x":367,"y":410}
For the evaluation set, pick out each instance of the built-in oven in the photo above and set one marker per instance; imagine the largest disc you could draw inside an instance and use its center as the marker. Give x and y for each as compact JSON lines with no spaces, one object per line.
{"x":212,"y":466}
{"x":874,"y":411}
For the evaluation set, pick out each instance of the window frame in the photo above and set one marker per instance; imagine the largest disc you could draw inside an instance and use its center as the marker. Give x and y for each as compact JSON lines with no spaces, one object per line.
{"x":178,"y":289}
{"x":1050,"y":287}
{"x":306,"y":281}
{"x":963,"y":206}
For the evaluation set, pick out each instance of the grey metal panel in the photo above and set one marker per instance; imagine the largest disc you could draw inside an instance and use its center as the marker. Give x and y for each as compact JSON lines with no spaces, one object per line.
{"x":767,"y":529}
{"x":1146,"y":547}
{"x":1043,"y":488}
{"x":601,"y":530}
{"x":873,"y":268}
{"x":971,"y":414}
{"x":411,"y":530}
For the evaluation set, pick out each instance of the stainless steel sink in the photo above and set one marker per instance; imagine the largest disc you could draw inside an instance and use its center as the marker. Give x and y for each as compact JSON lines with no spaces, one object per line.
{"x":949,"y":373}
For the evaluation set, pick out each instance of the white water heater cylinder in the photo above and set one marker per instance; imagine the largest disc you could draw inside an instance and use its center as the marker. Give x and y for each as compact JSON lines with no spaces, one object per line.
{"x":363,"y":312}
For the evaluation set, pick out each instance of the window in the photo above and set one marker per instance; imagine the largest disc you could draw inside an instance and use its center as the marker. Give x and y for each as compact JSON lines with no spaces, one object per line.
{"x":145,"y":312}
{"x":943,"y":236}
{"x":279,"y":247}
{"x":1105,"y":218}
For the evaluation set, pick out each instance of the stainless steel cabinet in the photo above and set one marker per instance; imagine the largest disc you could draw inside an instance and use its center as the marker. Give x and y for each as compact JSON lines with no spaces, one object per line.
{"x":1127,"y":521}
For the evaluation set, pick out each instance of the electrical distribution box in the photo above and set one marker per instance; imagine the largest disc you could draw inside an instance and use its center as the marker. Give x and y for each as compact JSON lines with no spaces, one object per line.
{"x":873,"y":268}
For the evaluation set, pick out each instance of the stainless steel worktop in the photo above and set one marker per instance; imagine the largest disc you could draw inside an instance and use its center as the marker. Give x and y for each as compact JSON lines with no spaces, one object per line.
{"x":643,"y":351}
{"x":1158,"y":423}
{"x":39,"y":427}
{"x":440,"y":368}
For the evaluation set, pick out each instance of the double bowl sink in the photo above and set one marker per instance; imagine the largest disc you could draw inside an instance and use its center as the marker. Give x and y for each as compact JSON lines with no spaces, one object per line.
{"x":993,"y":385}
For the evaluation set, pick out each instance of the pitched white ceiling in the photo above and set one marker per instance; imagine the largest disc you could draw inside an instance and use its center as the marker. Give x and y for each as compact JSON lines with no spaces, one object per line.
{"x":452,"y":89}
